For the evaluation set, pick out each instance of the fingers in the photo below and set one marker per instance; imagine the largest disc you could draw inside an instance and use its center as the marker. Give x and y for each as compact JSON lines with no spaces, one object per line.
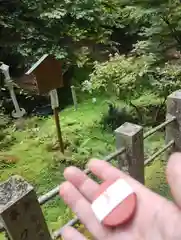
{"x":105,"y":171}
{"x":82,"y":182}
{"x":82,"y":208}
{"x":70,"y":233}
{"x":174,"y":177}
{"x":77,"y":194}
{"x":145,"y":198}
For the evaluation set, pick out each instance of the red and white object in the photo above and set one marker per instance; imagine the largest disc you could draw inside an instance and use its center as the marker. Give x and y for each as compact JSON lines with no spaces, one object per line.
{"x":115,"y":203}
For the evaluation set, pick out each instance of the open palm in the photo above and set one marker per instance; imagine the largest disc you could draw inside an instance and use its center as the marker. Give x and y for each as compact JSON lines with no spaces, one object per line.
{"x":156,"y":218}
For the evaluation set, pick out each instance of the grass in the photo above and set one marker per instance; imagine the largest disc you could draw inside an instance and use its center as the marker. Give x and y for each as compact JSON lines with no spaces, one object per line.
{"x":35,"y":156}
{"x":155,"y":178}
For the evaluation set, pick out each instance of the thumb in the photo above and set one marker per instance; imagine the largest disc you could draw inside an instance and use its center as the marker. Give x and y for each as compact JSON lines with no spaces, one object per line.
{"x":174,"y":177}
{"x":70,"y":233}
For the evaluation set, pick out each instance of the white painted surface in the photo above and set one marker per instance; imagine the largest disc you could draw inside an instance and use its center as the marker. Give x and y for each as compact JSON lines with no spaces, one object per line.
{"x":18,"y":112}
{"x":36,"y":64}
{"x":74,"y":97}
{"x":5,"y":70}
{"x":111,"y":198}
{"x":54,"y":99}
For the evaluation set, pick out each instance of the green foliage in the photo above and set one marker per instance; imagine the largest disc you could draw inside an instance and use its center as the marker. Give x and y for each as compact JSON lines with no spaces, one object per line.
{"x":166,"y":79}
{"x":79,"y":31}
{"x":74,"y":31}
{"x":125,"y":76}
{"x":115,"y":117}
{"x":156,"y":172}
{"x":163,"y":31}
{"x":152,"y":66}
{"x":135,"y":78}
{"x":66,"y":29}
{"x":131,"y":76}
{"x":150,"y":109}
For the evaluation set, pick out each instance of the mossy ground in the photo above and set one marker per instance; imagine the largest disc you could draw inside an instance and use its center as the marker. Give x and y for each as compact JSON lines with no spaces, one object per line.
{"x":31,"y":151}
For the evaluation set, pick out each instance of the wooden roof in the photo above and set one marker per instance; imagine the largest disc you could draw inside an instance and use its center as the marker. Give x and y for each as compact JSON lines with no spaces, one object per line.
{"x":43,"y":76}
{"x":32,"y":69}
{"x":27,"y":83}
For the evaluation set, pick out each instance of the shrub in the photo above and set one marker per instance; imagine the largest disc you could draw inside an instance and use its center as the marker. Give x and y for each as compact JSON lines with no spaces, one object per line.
{"x":133,"y":78}
{"x":115,"y":117}
{"x":128,"y":77}
{"x":124,"y":76}
{"x":150,"y":108}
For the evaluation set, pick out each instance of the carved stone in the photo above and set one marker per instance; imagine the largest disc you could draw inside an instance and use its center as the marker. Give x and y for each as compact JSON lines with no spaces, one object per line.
{"x":20,"y":211}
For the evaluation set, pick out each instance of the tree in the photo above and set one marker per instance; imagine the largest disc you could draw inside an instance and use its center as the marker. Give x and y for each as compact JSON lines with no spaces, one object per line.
{"x":75,"y":31}
{"x":164,"y":29}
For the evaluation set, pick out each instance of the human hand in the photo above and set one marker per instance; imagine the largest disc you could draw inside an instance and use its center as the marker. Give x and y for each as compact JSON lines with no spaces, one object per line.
{"x":156,"y":218}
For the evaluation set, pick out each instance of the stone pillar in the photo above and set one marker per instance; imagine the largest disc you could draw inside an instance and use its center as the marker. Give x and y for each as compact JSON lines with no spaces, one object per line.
{"x":20,"y":211}
{"x":74,"y":97}
{"x":130,"y":136}
{"x":173,"y":130}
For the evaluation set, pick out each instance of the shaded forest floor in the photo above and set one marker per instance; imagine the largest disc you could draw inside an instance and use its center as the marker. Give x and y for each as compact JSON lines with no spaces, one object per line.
{"x":29,"y":148}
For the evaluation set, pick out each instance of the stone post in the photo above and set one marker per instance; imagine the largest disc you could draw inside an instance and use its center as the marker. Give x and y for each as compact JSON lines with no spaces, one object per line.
{"x":173,"y":130}
{"x":130,"y":136}
{"x":74,"y":97}
{"x":20,"y":211}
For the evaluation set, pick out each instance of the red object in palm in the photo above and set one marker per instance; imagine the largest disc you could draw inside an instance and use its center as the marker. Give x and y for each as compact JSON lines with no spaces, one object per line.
{"x":124,"y":211}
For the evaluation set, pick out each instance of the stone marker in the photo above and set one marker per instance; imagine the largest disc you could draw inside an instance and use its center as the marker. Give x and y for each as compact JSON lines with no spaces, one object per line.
{"x":130,"y":136}
{"x":173,"y":130}
{"x":20,"y":211}
{"x":74,"y":97}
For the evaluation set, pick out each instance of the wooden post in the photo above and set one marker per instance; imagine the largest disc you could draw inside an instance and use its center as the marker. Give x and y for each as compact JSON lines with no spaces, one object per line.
{"x":59,"y":133}
{"x":55,"y":107}
{"x":20,"y":211}
{"x":130,"y":136}
{"x":173,"y":130}
{"x":74,"y":97}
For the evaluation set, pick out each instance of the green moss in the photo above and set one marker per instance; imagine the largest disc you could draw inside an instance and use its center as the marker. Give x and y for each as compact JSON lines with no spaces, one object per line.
{"x":156,"y":179}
